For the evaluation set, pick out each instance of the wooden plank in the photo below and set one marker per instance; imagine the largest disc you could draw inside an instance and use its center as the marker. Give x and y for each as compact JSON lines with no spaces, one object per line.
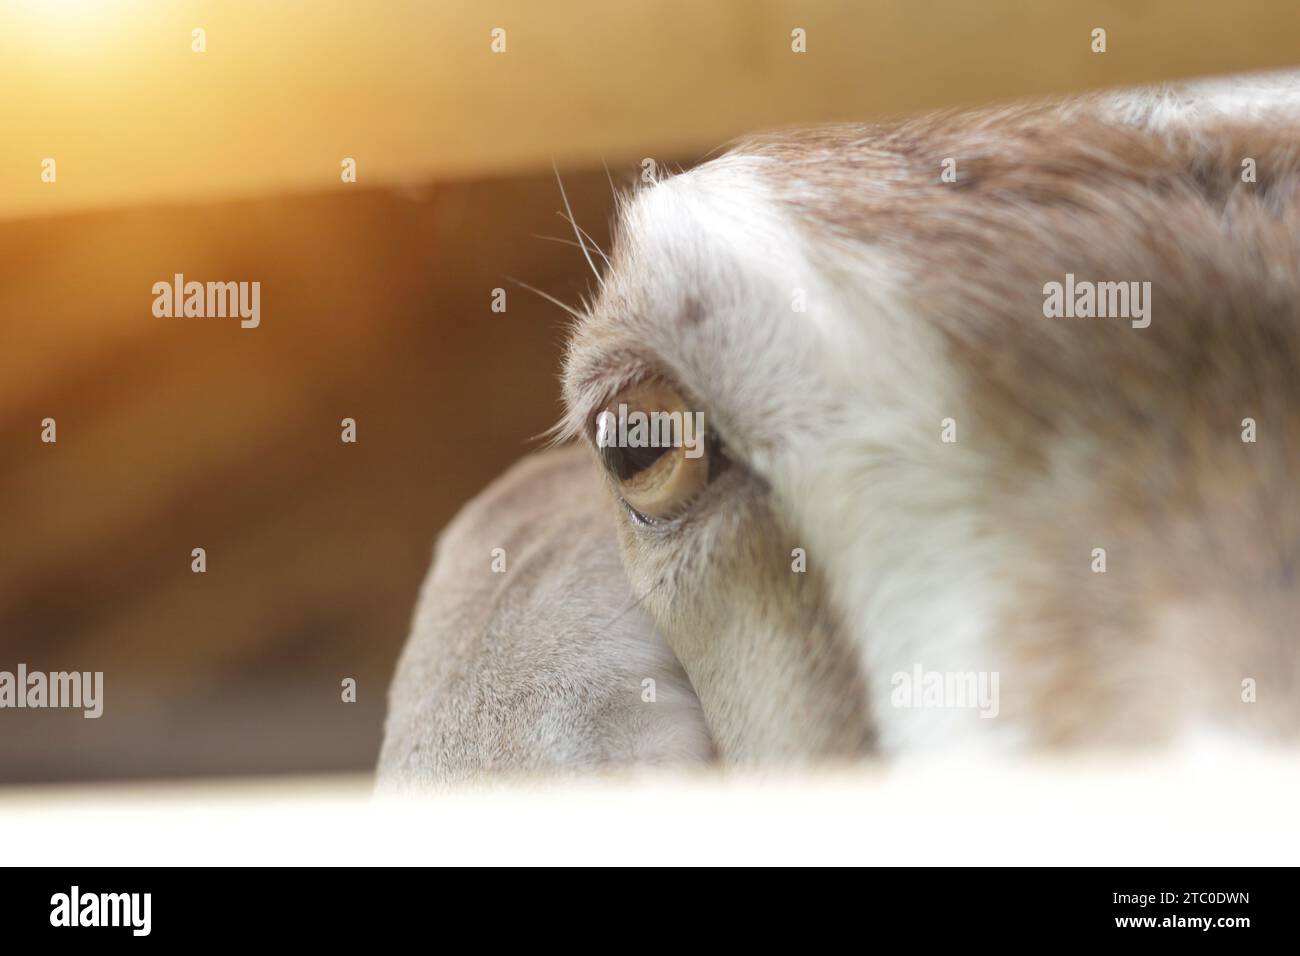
{"x":412,"y":90}
{"x":183,"y":433}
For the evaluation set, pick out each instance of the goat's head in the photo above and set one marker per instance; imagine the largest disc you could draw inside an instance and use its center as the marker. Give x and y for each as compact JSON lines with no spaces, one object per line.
{"x":911,"y":466}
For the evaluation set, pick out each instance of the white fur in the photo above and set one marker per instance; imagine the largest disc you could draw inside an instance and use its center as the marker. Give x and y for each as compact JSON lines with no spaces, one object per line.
{"x":1248,"y":98}
{"x":883,"y":503}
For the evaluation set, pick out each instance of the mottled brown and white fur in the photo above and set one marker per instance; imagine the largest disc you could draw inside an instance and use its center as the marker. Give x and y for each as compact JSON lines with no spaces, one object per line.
{"x":923,"y":303}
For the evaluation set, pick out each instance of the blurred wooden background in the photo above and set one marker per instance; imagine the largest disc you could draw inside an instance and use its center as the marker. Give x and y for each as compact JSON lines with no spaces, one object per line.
{"x":412,"y":90}
{"x":186,"y":432}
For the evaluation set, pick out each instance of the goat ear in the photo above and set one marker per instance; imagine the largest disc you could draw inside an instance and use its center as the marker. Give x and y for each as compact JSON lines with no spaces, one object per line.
{"x":528,"y":652}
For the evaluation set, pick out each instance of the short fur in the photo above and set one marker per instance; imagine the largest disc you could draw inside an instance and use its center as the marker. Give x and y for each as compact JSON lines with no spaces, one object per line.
{"x":502,"y":677}
{"x":924,"y":303}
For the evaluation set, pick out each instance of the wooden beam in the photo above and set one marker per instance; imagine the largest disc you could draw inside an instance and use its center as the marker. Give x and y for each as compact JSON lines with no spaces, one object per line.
{"x":411,"y":89}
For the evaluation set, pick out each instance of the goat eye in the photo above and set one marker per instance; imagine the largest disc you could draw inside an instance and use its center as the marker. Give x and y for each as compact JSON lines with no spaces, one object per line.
{"x":655,"y":449}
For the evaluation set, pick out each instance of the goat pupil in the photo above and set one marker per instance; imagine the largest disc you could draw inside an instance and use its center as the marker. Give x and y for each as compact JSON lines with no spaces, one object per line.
{"x":624,"y":463}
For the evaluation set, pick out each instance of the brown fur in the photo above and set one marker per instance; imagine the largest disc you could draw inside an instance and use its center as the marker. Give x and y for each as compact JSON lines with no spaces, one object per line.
{"x":1202,"y":530}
